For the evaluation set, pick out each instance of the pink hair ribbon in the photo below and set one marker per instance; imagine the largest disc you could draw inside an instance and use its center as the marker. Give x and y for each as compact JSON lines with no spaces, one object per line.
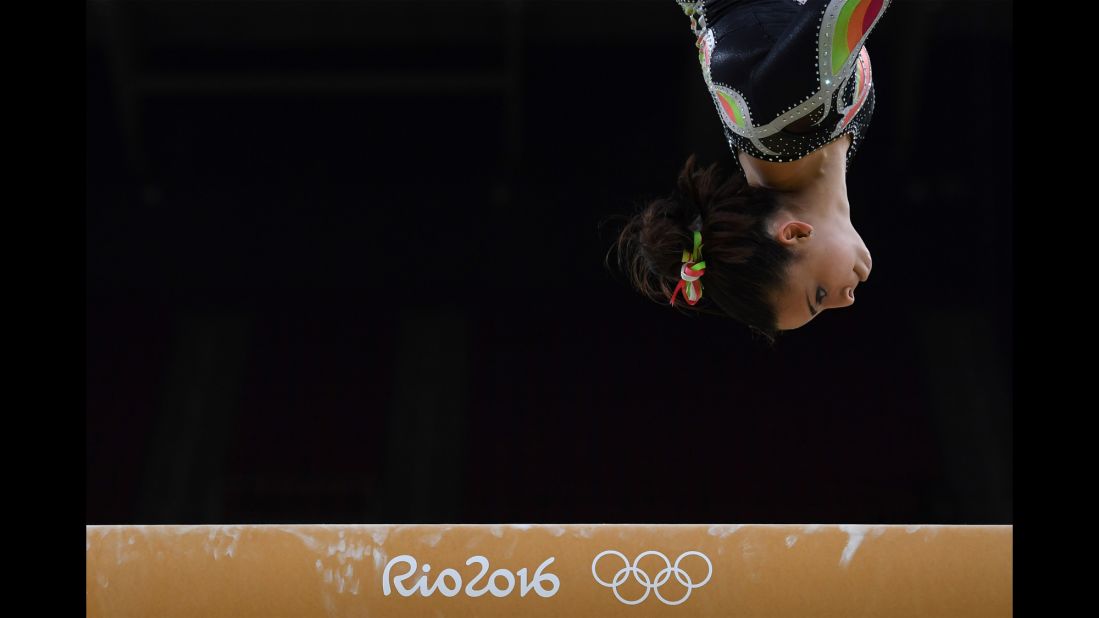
{"x":689,"y":275}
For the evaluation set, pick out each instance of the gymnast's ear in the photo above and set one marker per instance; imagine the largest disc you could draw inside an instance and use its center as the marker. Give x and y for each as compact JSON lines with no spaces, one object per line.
{"x":793,"y":232}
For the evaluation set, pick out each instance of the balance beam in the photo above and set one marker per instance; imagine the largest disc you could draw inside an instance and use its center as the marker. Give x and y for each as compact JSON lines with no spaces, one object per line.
{"x":605,"y":570}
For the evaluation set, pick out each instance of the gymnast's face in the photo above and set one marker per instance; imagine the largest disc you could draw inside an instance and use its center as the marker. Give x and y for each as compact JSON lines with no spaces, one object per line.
{"x":830,"y":260}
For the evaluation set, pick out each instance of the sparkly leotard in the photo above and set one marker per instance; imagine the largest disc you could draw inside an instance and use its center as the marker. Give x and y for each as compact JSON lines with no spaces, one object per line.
{"x":770,"y":63}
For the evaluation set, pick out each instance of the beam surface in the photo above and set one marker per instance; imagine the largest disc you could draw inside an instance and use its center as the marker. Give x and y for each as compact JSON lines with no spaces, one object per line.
{"x":605,"y":570}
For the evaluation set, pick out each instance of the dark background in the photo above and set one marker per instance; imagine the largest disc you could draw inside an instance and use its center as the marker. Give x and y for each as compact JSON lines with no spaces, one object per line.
{"x":345,"y":264}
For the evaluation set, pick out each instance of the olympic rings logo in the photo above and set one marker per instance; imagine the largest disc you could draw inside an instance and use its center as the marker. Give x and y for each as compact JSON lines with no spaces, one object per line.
{"x":661,"y":578}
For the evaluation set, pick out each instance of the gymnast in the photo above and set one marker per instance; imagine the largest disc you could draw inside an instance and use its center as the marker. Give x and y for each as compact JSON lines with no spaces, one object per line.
{"x":771,"y":243}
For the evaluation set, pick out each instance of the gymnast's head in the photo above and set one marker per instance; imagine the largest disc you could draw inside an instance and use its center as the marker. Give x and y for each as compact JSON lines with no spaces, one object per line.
{"x":775,"y":259}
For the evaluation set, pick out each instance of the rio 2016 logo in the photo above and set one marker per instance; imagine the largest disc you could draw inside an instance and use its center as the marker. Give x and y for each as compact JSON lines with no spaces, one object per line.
{"x":661,"y":577}
{"x":543,"y":584}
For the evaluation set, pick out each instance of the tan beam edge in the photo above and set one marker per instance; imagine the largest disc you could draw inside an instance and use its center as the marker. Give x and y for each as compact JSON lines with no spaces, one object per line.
{"x":604,"y":570}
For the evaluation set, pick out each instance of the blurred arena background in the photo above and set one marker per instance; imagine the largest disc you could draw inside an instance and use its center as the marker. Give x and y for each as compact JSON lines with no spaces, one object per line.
{"x":345,"y":265}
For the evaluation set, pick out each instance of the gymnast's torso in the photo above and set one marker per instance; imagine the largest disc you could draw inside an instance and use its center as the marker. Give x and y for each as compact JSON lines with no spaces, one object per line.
{"x":787,"y":77}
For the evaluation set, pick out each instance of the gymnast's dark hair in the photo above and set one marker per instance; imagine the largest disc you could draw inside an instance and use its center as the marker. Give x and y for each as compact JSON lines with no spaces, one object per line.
{"x":744,"y":264}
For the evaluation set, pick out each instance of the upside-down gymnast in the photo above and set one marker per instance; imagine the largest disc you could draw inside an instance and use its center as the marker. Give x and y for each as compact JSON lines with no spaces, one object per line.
{"x":770,"y":244}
